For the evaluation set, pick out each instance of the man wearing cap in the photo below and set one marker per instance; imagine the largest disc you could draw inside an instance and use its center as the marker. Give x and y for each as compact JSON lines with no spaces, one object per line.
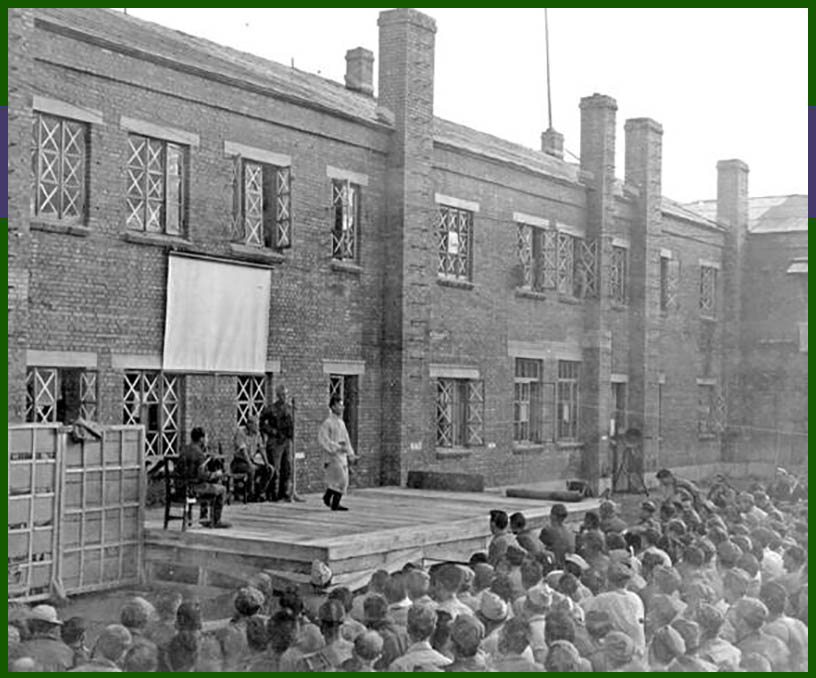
{"x":336,"y":444}
{"x":135,"y":616}
{"x":73,"y":635}
{"x":557,"y":537}
{"x":620,"y":654}
{"x":690,"y":660}
{"x":671,"y":484}
{"x":467,"y":634}
{"x":713,"y":647}
{"x":625,"y":608}
{"x":420,"y":656}
{"x":45,"y":644}
{"x":109,"y":650}
{"x":749,"y":615}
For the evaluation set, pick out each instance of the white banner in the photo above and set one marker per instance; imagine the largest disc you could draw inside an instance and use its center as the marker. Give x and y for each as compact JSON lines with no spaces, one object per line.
{"x":217,"y":317}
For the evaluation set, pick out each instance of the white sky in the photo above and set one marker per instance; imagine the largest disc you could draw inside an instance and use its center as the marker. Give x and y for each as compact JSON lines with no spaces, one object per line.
{"x":724,"y":83}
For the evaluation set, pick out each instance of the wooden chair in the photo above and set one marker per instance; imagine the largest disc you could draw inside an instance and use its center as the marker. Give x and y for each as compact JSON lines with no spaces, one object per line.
{"x":176,"y":492}
{"x":239,"y":486}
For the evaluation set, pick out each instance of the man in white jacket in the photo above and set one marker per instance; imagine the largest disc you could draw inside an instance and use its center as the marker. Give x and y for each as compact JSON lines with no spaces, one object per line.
{"x":334,"y":439}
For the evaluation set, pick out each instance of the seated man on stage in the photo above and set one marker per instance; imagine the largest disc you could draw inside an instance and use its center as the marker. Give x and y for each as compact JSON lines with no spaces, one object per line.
{"x":195,"y":466}
{"x":249,"y":458}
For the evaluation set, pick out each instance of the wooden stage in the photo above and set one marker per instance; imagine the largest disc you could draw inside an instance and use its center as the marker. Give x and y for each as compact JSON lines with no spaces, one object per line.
{"x":384,"y":528}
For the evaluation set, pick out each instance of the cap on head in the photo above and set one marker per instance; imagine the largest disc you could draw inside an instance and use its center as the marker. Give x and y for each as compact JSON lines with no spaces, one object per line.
{"x":492,"y":607}
{"x":46,"y":614}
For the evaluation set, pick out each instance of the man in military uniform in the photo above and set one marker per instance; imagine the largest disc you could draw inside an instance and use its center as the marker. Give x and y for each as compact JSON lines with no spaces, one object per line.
{"x":278,"y":426}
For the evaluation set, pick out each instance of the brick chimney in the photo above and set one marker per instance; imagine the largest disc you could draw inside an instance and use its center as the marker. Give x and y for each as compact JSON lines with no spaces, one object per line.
{"x":552,"y":143}
{"x":598,"y":157}
{"x":732,"y":193}
{"x":360,"y":70}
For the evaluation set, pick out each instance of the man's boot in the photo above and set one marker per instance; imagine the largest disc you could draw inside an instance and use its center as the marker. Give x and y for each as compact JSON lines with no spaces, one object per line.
{"x":327,"y":497}
{"x":335,"y":505}
{"x":217,"y":522}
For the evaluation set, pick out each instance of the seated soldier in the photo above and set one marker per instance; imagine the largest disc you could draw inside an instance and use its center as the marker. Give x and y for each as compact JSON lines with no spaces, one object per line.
{"x":195,"y":467}
{"x":249,"y":457}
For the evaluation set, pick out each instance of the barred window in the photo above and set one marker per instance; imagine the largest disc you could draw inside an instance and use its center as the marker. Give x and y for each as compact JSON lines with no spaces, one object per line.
{"x":454,"y":237}
{"x":577,"y":271}
{"x":567,"y":400}
{"x":346,"y":224}
{"x":618,"y":275}
{"x":59,"y":155}
{"x":156,"y":185}
{"x":262,"y":205}
{"x":250,"y":397}
{"x":536,"y":250}
{"x":708,"y":290}
{"x":154,"y":399}
{"x":55,"y":394}
{"x":459,"y":413}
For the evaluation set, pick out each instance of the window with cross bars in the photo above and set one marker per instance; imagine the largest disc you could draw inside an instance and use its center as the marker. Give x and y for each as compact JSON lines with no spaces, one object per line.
{"x":156,"y":176}
{"x":57,"y":394}
{"x":250,"y":397}
{"x":618,"y":275}
{"x":710,"y":411}
{"x":708,"y":290}
{"x":536,"y":248}
{"x":577,"y":266}
{"x":454,"y":230}
{"x":567,"y":399}
{"x":58,"y":159}
{"x":529,"y":411}
{"x":153,"y":399}
{"x":459,"y":413}
{"x":262,"y":208}
{"x":346,"y":221}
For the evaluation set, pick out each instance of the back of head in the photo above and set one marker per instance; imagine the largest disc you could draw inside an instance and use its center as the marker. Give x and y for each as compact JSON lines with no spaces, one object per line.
{"x":281,"y":629}
{"x":592,"y":521}
{"x":667,"y":644}
{"x":559,"y":626}
{"x":136,"y":613}
{"x":518,"y":522}
{"x":248,"y":601}
{"x":558,"y":512}
{"x":618,"y":648}
{"x":598,"y":623}
{"x":112,"y":642}
{"x":344,"y":596}
{"x":197,"y":434}
{"x":614,"y":541}
{"x":421,"y":621}
{"x":417,"y":583}
{"x":467,"y":633}
{"x":503,"y":587}
{"x":375,"y":608}
{"x":368,"y":646}
{"x":233,"y":644}
{"x":562,"y":656}
{"x":73,"y":630}
{"x":141,"y":657}
{"x":291,"y":599}
{"x":690,"y":631}
{"x":188,"y":616}
{"x":499,"y":519}
{"x":514,"y":636}
{"x":749,"y":563}
{"x":775,"y":597}
{"x":753,"y":662}
{"x":395,"y":588}
{"x":378,"y":581}
{"x":25,"y":665}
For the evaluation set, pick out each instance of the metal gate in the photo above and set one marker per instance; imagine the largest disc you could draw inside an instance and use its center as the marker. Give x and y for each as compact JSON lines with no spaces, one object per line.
{"x":75,"y":509}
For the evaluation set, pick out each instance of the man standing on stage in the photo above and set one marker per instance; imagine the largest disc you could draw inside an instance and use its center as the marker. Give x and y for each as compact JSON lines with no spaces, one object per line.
{"x":334,"y":439}
{"x":278,"y":425}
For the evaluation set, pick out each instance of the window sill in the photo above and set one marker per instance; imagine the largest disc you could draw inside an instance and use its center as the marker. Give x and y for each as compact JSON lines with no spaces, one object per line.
{"x":346,"y":266}
{"x":708,"y":318}
{"x":617,"y":306}
{"x":569,"y":444}
{"x":536,"y":448}
{"x":453,"y":452}
{"x":525,"y":293}
{"x":257,"y":253}
{"x":564,"y":299}
{"x":453,"y":282}
{"x":57,"y":227}
{"x":154,"y":239}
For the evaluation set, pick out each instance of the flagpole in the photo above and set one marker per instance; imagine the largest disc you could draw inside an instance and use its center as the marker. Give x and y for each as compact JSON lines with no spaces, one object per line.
{"x":547,"y":47}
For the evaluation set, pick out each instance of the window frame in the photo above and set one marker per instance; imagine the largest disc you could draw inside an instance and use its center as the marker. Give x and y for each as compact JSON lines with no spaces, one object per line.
{"x":619,"y":275}
{"x":345,"y":192}
{"x":448,"y":216}
{"x":181,"y":153}
{"x":706,"y":404}
{"x":60,"y":163}
{"x":82,"y":401}
{"x":461,"y":413}
{"x":528,"y":377}
{"x":708,"y":291}
{"x":568,"y":393}
{"x":536,"y":249}
{"x":251,"y":396}
{"x":158,"y":443}
{"x":274,"y":201}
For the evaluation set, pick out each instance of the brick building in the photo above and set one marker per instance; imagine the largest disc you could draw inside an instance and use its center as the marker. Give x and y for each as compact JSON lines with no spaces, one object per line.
{"x":481,"y":306}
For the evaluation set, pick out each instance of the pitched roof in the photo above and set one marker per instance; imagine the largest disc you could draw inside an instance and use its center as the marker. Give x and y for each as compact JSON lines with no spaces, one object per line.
{"x":487,"y":145}
{"x":207,"y":57}
{"x":768,"y":214}
{"x":686,"y":212}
